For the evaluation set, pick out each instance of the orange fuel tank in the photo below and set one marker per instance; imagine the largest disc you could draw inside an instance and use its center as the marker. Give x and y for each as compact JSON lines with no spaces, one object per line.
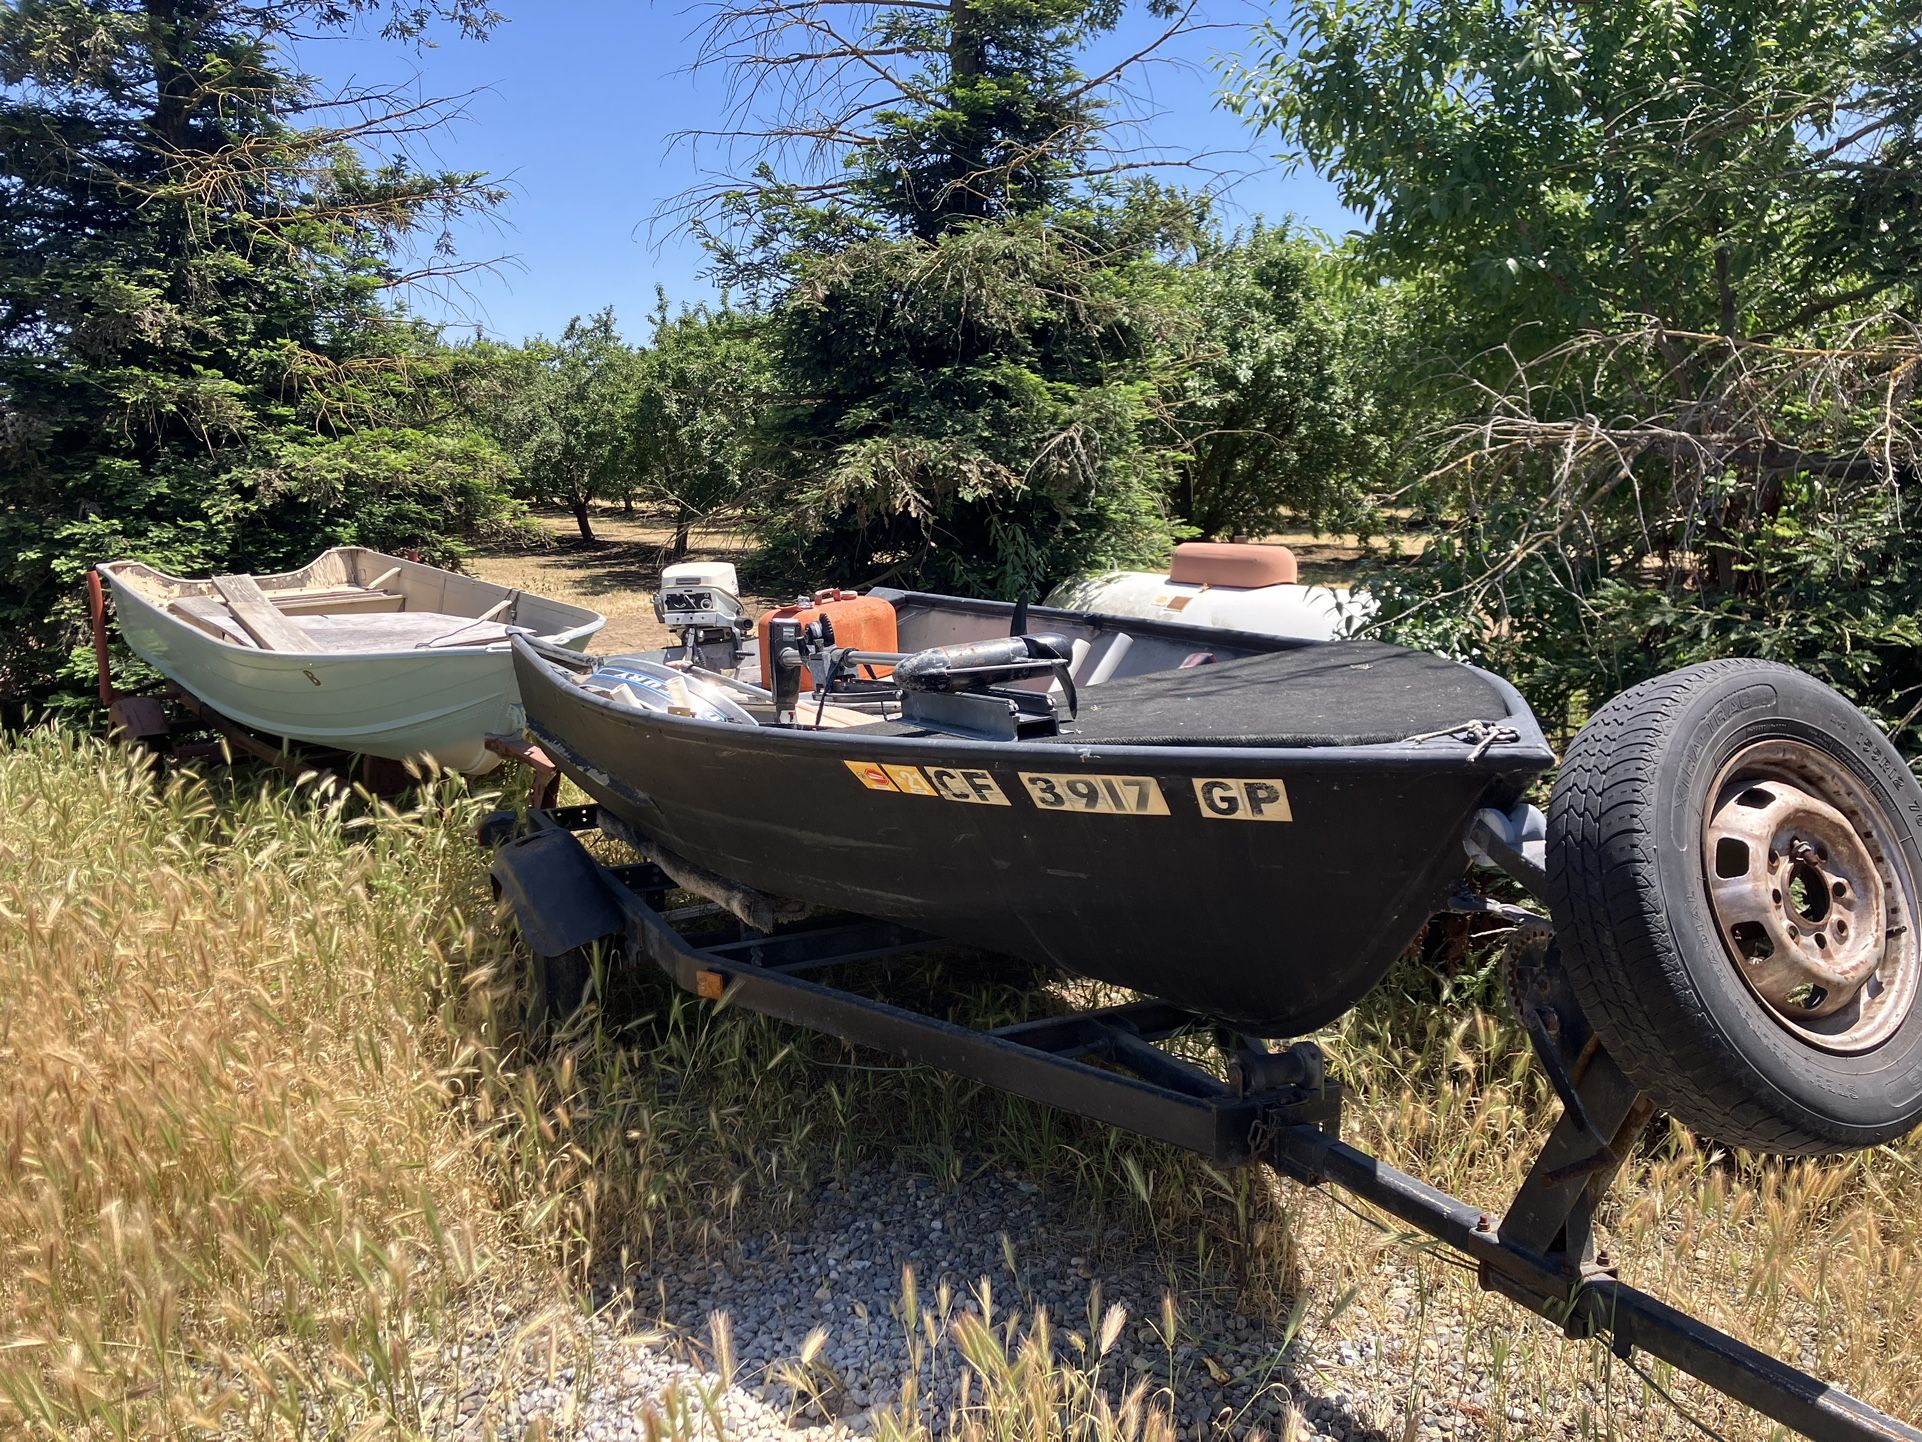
{"x":866,"y":623}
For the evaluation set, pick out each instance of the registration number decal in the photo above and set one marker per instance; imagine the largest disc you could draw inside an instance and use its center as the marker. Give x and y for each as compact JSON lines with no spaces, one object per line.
{"x":1099,"y":795}
{"x":966,"y":784}
{"x":910,"y":780}
{"x":1234,"y":798}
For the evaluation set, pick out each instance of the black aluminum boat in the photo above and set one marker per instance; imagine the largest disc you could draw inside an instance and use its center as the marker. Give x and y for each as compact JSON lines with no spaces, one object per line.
{"x":1255,"y":827}
{"x":1252,"y":826}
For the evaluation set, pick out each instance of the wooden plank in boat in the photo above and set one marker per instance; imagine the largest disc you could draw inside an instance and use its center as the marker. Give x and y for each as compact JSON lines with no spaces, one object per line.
{"x":253,"y":610}
{"x":833,"y":718}
{"x":281,"y":594}
{"x":212,"y":617}
{"x":348,"y":601}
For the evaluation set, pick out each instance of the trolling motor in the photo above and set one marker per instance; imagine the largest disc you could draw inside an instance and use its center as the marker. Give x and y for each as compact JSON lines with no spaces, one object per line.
{"x":787,"y":664}
{"x":970,"y":689}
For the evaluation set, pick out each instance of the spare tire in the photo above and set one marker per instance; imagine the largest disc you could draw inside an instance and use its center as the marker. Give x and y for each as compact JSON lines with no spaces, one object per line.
{"x":1733,"y":858}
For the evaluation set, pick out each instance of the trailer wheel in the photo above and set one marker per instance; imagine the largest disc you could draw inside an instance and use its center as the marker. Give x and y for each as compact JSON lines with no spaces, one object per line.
{"x":1733,"y":859}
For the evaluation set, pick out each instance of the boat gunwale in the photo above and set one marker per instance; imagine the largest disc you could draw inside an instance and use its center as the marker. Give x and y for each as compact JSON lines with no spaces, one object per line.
{"x":1529,"y":752}
{"x":124,"y":592}
{"x":1108,"y":621}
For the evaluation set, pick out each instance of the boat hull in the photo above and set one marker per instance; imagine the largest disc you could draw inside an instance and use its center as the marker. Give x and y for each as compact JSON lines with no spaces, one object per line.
{"x":1154,"y":872}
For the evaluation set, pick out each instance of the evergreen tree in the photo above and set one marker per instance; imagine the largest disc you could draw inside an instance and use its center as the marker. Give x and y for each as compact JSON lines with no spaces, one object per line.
{"x":198,"y":362}
{"x":1001,"y":120}
{"x":968,"y":308}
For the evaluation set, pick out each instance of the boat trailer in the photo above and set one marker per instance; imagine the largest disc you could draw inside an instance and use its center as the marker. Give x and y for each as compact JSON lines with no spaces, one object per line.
{"x":1278,"y":1108}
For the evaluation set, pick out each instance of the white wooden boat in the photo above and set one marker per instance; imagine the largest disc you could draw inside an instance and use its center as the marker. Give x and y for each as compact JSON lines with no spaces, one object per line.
{"x":357,"y":650}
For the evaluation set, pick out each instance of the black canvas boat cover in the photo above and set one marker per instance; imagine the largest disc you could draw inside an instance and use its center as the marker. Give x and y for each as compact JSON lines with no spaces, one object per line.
{"x":1341,"y":693}
{"x":1336,"y":693}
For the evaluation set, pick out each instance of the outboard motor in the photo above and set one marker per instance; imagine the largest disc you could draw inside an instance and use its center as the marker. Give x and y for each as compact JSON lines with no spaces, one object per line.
{"x":700,"y":602}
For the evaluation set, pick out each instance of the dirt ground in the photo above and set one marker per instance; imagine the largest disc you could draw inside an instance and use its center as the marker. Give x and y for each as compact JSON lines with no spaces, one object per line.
{"x":618,"y":574}
{"x":1336,"y":558}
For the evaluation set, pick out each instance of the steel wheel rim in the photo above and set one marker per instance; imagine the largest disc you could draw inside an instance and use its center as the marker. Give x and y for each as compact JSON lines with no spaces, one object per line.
{"x":1813,"y":911}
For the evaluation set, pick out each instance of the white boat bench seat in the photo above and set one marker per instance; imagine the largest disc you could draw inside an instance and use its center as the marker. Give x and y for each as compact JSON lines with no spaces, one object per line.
{"x":403,"y":631}
{"x":348,"y":634}
{"x":335,"y":600}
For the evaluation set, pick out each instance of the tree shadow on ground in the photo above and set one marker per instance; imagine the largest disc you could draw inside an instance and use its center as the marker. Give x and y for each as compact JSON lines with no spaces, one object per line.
{"x":978,"y":1226}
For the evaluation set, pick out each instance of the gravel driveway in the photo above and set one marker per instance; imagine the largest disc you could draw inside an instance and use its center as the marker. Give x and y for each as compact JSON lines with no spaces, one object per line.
{"x":652,"y":1367}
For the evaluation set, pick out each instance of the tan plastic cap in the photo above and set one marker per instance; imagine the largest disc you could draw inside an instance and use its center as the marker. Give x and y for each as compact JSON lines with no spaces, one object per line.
{"x":1214,"y":563}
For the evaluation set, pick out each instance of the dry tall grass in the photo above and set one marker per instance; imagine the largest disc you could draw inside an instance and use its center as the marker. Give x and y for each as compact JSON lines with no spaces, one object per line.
{"x":232,"y":1186}
{"x":266,"y":1153}
{"x":1819,"y":1262}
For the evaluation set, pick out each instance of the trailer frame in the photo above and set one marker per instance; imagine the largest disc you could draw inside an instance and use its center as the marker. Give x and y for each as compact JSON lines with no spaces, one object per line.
{"x":1277,"y":1108}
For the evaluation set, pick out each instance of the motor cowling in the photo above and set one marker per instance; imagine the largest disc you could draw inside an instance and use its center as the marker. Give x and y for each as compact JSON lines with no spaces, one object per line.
{"x":980,"y":663}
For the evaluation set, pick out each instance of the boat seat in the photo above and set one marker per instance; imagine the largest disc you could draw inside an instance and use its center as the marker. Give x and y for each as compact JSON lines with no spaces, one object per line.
{"x":270,"y":630}
{"x":403,"y":631}
{"x":333,"y":633}
{"x":212,"y":617}
{"x":335,"y":601}
{"x":315,"y":593}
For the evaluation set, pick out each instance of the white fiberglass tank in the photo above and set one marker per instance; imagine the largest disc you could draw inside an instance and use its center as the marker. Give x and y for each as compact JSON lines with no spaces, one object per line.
{"x":1238,"y":586}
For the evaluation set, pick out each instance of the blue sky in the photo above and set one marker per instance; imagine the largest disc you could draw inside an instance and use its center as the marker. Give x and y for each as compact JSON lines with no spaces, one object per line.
{"x":576,"y":103}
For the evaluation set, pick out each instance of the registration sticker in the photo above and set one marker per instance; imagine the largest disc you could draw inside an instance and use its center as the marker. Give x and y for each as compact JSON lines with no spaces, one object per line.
{"x":1236,"y":798}
{"x":965,"y":783}
{"x":910,"y":780}
{"x":1099,"y":795}
{"x":871,"y":774}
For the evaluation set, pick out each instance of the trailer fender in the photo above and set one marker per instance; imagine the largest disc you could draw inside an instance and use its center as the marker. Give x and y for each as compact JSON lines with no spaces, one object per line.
{"x":558,"y":892}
